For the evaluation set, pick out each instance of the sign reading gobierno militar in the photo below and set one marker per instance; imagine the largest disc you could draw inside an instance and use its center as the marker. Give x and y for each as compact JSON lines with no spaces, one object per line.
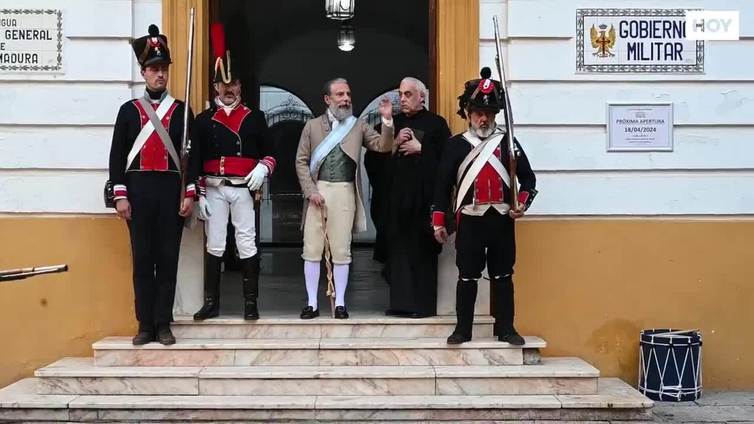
{"x":31,"y":40}
{"x":636,"y":41}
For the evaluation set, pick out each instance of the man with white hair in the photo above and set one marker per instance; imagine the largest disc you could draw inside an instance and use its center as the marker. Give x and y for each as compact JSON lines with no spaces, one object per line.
{"x":327,"y":165}
{"x":412,"y":251}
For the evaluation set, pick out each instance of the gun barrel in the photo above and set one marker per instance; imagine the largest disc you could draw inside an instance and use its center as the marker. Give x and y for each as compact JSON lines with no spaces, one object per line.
{"x":508,"y":116}
{"x":185,"y":142}
{"x":21,"y":273}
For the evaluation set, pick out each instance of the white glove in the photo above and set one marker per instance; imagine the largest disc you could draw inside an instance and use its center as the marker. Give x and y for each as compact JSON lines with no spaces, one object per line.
{"x":256,"y":177}
{"x":204,"y":211}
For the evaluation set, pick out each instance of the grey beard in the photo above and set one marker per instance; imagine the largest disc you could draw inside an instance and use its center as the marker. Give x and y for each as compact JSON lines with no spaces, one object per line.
{"x":340,"y":113}
{"x":483,"y":132}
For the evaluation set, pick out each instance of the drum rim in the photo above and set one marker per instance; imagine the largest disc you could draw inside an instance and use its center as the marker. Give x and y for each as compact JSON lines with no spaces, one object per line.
{"x":660,"y":337}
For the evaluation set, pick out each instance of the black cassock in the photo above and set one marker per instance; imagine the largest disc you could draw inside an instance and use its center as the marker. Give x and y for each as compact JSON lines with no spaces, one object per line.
{"x":412,"y":250}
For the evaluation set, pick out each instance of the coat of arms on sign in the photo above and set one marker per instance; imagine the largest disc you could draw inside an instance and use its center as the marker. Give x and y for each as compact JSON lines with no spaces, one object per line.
{"x":603,"y":40}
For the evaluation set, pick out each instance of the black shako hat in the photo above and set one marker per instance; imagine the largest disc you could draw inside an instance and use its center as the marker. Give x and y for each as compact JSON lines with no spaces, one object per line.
{"x":151,"y":49}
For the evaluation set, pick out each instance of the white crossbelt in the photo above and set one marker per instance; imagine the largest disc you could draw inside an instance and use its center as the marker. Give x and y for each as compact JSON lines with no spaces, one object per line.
{"x":480,"y":155}
{"x":149,"y":128}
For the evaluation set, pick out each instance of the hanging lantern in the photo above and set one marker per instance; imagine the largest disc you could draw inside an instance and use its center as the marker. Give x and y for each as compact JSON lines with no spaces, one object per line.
{"x":346,"y":38}
{"x":340,"y":10}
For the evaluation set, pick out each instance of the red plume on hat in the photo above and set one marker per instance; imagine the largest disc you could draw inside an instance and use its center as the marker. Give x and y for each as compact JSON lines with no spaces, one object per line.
{"x":220,"y":53}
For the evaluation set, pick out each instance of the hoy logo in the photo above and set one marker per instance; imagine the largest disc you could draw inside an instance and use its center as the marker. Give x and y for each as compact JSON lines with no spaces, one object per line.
{"x":712,"y":25}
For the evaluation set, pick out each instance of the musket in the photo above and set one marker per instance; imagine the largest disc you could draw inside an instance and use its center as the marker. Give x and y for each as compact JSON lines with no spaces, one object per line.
{"x":21,"y":273}
{"x":185,"y":141}
{"x":508,"y":118}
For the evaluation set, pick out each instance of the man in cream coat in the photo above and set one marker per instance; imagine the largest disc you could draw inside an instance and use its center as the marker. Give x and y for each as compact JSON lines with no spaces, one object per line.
{"x":327,"y":165}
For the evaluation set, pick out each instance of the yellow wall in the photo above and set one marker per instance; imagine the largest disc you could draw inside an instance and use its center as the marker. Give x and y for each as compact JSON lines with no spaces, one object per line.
{"x":50,"y":316}
{"x":586,"y":286}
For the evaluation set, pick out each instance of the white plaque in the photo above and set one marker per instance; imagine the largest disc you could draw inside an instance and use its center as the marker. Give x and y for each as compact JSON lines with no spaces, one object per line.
{"x":639,"y":127}
{"x":31,"y":40}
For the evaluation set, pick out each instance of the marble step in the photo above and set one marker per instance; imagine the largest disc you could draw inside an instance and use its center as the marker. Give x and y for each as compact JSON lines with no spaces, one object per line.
{"x":615,"y":401}
{"x":118,"y":351}
{"x":552,"y":376}
{"x":289,"y":326}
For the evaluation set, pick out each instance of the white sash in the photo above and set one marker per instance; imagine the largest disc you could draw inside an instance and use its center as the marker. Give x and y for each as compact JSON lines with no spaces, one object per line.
{"x":482,"y":153}
{"x":148,"y":129}
{"x":333,"y":139}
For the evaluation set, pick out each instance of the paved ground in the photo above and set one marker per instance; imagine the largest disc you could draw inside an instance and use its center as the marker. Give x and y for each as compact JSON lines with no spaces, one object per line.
{"x":713,"y":407}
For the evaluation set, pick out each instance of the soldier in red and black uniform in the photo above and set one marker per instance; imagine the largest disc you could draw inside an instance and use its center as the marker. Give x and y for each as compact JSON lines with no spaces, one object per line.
{"x":475,"y":162}
{"x":145,"y":173}
{"x":236,"y":155}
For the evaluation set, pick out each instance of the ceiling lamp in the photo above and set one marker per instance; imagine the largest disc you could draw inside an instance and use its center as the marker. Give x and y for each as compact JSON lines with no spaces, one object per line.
{"x":346,"y":38}
{"x":340,"y":10}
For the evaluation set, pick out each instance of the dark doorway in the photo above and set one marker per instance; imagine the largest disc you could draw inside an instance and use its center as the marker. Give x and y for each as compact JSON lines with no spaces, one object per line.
{"x":284,"y":51}
{"x":292,"y":45}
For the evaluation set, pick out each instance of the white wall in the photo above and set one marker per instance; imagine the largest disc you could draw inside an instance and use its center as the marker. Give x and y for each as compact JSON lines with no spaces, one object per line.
{"x":560,"y":116}
{"x":55,"y":129}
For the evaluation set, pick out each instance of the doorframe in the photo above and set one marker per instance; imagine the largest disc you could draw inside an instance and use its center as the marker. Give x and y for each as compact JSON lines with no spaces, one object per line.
{"x":453,"y":55}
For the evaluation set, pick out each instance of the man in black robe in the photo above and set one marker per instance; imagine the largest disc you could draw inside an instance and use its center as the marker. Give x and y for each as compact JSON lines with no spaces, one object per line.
{"x":411,"y":247}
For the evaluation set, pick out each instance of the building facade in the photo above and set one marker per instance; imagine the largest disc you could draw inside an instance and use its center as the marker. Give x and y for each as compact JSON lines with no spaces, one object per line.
{"x":615,"y":243}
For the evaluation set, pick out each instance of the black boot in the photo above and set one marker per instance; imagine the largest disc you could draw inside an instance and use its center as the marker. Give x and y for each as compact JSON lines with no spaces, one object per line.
{"x":211,"y":308}
{"x":145,"y":335}
{"x":164,"y":335}
{"x":465,"y":300}
{"x":505,"y":311}
{"x":250,"y":278}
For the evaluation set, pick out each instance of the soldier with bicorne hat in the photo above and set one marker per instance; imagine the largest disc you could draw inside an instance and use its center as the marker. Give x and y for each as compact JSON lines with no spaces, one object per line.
{"x":236,"y":155}
{"x":145,"y":174}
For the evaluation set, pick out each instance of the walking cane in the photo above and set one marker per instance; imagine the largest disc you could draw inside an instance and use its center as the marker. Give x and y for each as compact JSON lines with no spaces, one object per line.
{"x":328,"y":264}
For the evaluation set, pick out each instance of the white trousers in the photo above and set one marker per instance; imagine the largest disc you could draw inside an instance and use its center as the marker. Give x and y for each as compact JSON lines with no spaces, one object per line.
{"x":237,"y":203}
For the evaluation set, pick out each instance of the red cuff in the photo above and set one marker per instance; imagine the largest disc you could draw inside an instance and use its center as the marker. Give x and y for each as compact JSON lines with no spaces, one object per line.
{"x":120,"y":192}
{"x":523,"y":196}
{"x":202,"y":186}
{"x":269,"y":162}
{"x":191,"y":191}
{"x":438,"y":219}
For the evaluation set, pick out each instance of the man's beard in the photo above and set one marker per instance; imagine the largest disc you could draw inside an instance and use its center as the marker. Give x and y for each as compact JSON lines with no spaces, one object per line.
{"x":341,"y":113}
{"x":483,"y":132}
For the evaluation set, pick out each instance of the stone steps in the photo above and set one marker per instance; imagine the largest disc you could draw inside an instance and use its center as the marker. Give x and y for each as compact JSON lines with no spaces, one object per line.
{"x":552,"y":376}
{"x":615,"y":401}
{"x":118,"y":351}
{"x":292,"y":327}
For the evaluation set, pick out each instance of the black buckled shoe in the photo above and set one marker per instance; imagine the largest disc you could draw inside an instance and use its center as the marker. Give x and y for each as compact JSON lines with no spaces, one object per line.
{"x":458,"y":338}
{"x":142,"y":338}
{"x":341,"y":312}
{"x":309,"y":313}
{"x":164,"y":335}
